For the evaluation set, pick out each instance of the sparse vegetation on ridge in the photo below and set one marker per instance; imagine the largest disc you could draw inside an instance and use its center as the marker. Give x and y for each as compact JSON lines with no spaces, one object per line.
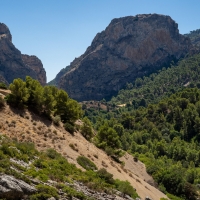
{"x":48,"y":100}
{"x":46,"y":166}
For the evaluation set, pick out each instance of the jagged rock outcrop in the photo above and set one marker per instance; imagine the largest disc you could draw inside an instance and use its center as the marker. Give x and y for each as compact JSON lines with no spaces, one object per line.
{"x":12,"y":64}
{"x":35,"y":64}
{"x":128,"y":48}
{"x":12,"y":188}
{"x":5,"y":32}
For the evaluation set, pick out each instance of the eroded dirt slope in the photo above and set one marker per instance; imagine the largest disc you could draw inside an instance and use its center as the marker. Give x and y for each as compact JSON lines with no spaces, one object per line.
{"x":26,"y":126}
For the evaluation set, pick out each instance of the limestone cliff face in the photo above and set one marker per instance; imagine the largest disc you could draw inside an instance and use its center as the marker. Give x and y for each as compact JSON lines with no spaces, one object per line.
{"x":128,"y":48}
{"x":36,"y":65}
{"x":12,"y":64}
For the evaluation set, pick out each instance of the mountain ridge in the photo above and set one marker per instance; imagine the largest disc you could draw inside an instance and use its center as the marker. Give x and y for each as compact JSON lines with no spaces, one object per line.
{"x":130,"y":47}
{"x":13,"y":64}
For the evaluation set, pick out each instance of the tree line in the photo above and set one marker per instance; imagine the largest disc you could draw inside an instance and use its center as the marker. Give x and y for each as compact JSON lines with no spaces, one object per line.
{"x":48,"y":100}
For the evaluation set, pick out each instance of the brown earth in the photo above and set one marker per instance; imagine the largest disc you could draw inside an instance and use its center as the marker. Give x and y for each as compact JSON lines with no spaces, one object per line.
{"x":27,"y":126}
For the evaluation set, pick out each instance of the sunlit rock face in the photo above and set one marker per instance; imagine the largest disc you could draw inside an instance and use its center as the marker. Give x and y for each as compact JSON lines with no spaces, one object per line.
{"x":128,"y":48}
{"x":15,"y":65}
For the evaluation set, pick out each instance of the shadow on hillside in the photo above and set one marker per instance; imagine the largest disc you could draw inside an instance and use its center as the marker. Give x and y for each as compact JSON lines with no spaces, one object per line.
{"x":18,"y":111}
{"x":40,"y":117}
{"x":31,"y":115}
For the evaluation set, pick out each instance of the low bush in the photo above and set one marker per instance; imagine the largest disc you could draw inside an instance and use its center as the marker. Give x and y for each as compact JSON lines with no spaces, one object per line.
{"x":69,"y":127}
{"x":3,"y":86}
{"x":44,"y":192}
{"x":71,"y":192}
{"x":126,"y":188}
{"x":73,"y":147}
{"x":172,"y":197}
{"x":108,"y":177}
{"x":86,"y":163}
{"x":56,"y":120}
{"x":53,"y":154}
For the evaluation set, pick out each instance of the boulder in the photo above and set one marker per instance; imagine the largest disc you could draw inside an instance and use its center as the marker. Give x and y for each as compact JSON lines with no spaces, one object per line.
{"x":13,"y":189}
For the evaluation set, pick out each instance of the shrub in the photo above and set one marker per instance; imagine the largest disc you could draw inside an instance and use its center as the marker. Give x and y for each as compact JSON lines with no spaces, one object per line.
{"x":10,"y":150}
{"x":136,"y":157}
{"x":86,"y":129}
{"x":44,"y":192}
{"x":56,"y":120}
{"x":3,"y":86}
{"x":72,"y":192}
{"x":172,"y":197}
{"x":86,"y":163}
{"x":73,"y":147}
{"x":53,"y":154}
{"x":126,"y":188}
{"x":69,"y":127}
{"x":108,"y":177}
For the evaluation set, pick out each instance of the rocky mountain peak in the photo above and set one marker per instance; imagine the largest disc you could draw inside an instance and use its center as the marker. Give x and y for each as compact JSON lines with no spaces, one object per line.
{"x":5,"y":32}
{"x":15,"y":65}
{"x":36,"y":65}
{"x":130,"y":47}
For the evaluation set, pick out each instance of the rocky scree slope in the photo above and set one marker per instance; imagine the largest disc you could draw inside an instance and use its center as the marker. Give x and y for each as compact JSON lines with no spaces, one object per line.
{"x":15,"y":65}
{"x":130,"y":47}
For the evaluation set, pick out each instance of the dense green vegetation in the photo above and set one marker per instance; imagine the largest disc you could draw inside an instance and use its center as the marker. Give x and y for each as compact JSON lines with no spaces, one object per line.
{"x":56,"y":105}
{"x":86,"y":163}
{"x":3,"y":86}
{"x":50,"y":165}
{"x":86,"y":129}
{"x":160,"y":125}
{"x":194,"y":37}
{"x":47,"y":100}
{"x":165,"y":136}
{"x":155,"y":87}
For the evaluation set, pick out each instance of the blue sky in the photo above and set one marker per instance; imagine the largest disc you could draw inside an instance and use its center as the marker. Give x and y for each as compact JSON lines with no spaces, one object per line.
{"x":57,"y":31}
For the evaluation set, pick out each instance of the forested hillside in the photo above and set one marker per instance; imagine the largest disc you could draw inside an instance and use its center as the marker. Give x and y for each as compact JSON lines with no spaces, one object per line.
{"x":194,"y":37}
{"x":50,"y":116}
{"x":155,"y":87}
{"x":159,"y":123}
{"x":165,"y":136}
